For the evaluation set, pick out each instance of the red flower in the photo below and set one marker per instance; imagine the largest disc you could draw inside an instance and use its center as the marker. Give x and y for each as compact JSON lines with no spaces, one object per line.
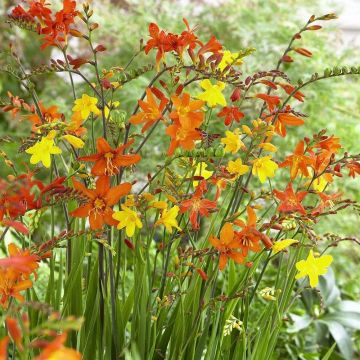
{"x":289,"y":201}
{"x":212,"y":46}
{"x":298,"y":161}
{"x":354,"y":168}
{"x":100,"y":201}
{"x":197,"y":205}
{"x":107,"y":160}
{"x":231,"y":113}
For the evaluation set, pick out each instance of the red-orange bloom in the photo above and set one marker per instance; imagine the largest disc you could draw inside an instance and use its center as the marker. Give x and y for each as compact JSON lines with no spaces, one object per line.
{"x":249,"y":236}
{"x":14,"y":331}
{"x":151,"y":111}
{"x":108,"y":160}
{"x":197,"y":205}
{"x":289,"y":201}
{"x":289,"y":89}
{"x":4,"y":342}
{"x":271,"y":101}
{"x":230,"y":113}
{"x":213,"y":46}
{"x":100,"y":201}
{"x":49,"y":114}
{"x":326,"y":201}
{"x":228,"y":246}
{"x":57,"y":351}
{"x":285,"y":119}
{"x":298,"y":161}
{"x":354,"y":168}
{"x":330,"y":144}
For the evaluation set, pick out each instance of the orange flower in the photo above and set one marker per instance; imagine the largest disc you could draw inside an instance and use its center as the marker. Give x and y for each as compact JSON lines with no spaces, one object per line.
{"x":330,"y":144}
{"x":100,"y":202}
{"x":107,"y":160}
{"x":14,"y":331}
{"x":212,"y":46}
{"x":289,"y":89}
{"x":56,"y":350}
{"x":197,"y":205}
{"x":271,"y":101}
{"x":49,"y":114}
{"x":283,"y":119}
{"x":298,"y":161}
{"x":289,"y":201}
{"x":151,"y":112}
{"x":354,"y":168}
{"x":187,"y":119}
{"x":228,"y":246}
{"x":249,"y":236}
{"x":3,"y":347}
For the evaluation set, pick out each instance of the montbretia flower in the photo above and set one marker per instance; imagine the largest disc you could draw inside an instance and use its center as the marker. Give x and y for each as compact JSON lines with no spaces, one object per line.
{"x":231,"y":113}
{"x":232,"y":141}
{"x":313,"y":267}
{"x":100,"y":201}
{"x":298,"y":162}
{"x":237,"y":168}
{"x":212,"y":93}
{"x":168,"y":219}
{"x":197,"y":206}
{"x":201,"y":170}
{"x":86,"y":105}
{"x":283,"y":245}
{"x":228,"y":246}
{"x":128,"y":219}
{"x":290,"y":201}
{"x":151,"y":111}
{"x":42,"y":150}
{"x":108,"y":161}
{"x":264,"y":168}
{"x":229,"y":59}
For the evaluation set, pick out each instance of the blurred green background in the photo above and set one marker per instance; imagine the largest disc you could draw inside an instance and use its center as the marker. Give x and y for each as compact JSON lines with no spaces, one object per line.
{"x":266,"y":25}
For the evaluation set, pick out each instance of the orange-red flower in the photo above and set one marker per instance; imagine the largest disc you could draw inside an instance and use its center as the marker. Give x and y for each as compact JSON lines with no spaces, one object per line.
{"x":326,"y":201}
{"x":187,"y":119}
{"x":108,"y":160}
{"x":289,"y":201}
{"x":285,"y":119}
{"x":230,"y":113}
{"x":228,"y":246}
{"x":354,"y":168}
{"x":249,"y":236}
{"x":57,"y":351}
{"x":213,"y":46}
{"x":197,"y":205}
{"x":49,"y":114}
{"x":100,"y":201}
{"x":289,"y":89}
{"x":298,"y":161}
{"x":151,"y":111}
{"x":272,"y":101}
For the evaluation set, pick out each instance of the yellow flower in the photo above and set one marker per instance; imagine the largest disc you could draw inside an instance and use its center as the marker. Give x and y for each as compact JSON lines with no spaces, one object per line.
{"x":268,"y":147}
{"x":168,"y":219}
{"x":237,"y":168}
{"x":229,"y":58}
{"x":264,"y":168}
{"x":76,"y":142}
{"x":232,"y":141}
{"x":282,"y":245}
{"x":320,"y":183}
{"x":42,"y":150}
{"x":213,"y":93}
{"x":201,"y":171}
{"x":85,"y":105}
{"x":313,"y":267}
{"x":128,"y":219}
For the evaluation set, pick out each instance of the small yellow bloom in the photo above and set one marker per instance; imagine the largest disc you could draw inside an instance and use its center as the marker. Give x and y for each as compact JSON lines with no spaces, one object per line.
{"x":268,"y":294}
{"x":282,"y":245}
{"x":268,"y":147}
{"x":42,"y":150}
{"x":130,"y":200}
{"x":128,"y":219}
{"x":247,"y":130}
{"x":86,"y":105}
{"x":313,"y":267}
{"x":264,"y":168}
{"x":229,"y":58}
{"x":232,"y":141}
{"x":320,"y":183}
{"x":237,"y":168}
{"x":201,"y":171}
{"x":76,"y":142}
{"x":168,"y":219}
{"x":213,"y":93}
{"x":159,"y":204}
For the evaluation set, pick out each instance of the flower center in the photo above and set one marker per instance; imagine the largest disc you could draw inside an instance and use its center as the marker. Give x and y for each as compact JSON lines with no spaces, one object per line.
{"x":99,"y":204}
